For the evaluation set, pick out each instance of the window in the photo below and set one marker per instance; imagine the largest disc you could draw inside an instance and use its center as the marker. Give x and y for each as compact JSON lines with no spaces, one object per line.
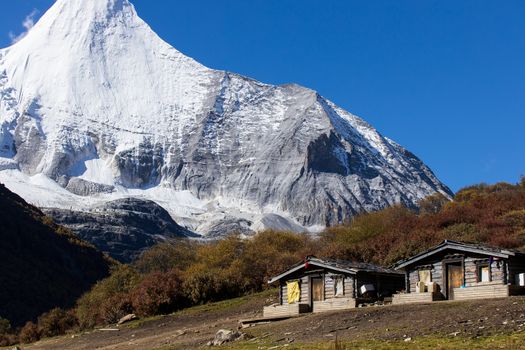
{"x":425,"y":276}
{"x":483,"y":272}
{"x":339,"y":286}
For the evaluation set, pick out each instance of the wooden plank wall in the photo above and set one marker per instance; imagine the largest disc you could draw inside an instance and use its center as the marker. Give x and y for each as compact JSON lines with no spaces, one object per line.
{"x":481,"y":292}
{"x":415,"y":298}
{"x":329,"y":289}
{"x":285,"y":310}
{"x":436,"y":273}
{"x":284,"y":293}
{"x":303,"y":284}
{"x":305,"y":290}
{"x":349,"y":286}
{"x":329,"y":286}
{"x":334,"y":304}
{"x":471,"y":278}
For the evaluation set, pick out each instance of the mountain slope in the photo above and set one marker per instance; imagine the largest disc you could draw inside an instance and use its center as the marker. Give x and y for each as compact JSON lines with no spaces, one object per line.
{"x":93,"y":99}
{"x":122,"y":228}
{"x":42,"y":265}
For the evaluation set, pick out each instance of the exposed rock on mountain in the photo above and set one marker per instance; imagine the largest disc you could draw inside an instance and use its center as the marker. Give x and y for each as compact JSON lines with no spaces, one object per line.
{"x":122,"y":228}
{"x":95,"y":101}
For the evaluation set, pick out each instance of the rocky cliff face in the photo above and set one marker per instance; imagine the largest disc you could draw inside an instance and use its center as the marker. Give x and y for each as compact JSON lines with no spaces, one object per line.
{"x":95,"y":101}
{"x":123,"y":228}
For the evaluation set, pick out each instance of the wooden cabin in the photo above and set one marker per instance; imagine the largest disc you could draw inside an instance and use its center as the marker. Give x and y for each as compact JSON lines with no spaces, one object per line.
{"x":461,"y":271}
{"x":317,"y":285}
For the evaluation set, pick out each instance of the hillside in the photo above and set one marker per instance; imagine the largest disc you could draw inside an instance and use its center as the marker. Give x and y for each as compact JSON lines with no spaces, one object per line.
{"x":487,"y":214}
{"x":42,"y":265}
{"x":485,"y":324}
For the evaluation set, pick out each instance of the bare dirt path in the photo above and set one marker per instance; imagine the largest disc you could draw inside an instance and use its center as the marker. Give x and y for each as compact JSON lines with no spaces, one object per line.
{"x":192,"y":329}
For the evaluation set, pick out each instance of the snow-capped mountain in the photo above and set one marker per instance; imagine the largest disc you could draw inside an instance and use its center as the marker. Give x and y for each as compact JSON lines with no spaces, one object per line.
{"x":94,"y":107}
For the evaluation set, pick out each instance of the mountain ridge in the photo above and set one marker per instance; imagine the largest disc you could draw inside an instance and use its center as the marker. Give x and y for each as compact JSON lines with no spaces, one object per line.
{"x":123,"y":113}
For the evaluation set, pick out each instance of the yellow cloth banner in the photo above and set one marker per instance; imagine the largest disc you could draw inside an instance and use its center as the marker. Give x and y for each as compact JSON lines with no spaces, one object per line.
{"x":294,"y":292}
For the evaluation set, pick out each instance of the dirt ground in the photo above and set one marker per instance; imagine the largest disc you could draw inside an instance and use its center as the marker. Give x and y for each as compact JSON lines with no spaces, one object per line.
{"x":193,"y":328}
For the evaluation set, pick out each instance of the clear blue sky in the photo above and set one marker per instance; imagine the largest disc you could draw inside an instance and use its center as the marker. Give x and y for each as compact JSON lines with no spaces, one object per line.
{"x":444,"y":78}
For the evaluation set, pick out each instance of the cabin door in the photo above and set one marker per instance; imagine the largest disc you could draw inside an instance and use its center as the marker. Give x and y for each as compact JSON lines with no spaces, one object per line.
{"x":454,"y":278}
{"x":317,"y":289}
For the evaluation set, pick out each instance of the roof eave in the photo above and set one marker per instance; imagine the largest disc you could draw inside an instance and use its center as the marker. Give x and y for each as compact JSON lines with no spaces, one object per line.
{"x":311,"y":262}
{"x":453,"y":245}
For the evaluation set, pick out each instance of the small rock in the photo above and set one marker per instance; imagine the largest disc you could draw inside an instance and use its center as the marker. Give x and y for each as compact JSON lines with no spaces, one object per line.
{"x":180,"y":332}
{"x":408,"y":339}
{"x":127,"y":318}
{"x":225,"y":336}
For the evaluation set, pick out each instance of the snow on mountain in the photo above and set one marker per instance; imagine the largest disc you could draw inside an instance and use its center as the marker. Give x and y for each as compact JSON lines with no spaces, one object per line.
{"x":94,"y":107}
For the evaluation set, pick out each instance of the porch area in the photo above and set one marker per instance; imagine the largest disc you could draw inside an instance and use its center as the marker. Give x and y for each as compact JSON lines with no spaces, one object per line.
{"x":334,"y":304}
{"x":287,"y":310}
{"x":416,"y":298}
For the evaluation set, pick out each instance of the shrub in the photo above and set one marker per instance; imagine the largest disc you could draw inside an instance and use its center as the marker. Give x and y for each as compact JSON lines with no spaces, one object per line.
{"x":268,"y":254}
{"x":201,"y":285}
{"x":29,"y":333}
{"x":158,"y":293}
{"x":163,"y":257}
{"x":432,"y":204}
{"x":6,"y":336}
{"x":5,"y":326}
{"x":8,"y":339}
{"x":56,"y":322}
{"x":108,"y":299}
{"x":114,"y":308}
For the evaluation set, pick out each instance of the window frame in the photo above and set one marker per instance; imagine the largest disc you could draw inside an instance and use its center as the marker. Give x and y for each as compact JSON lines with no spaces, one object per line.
{"x":480,"y":264}
{"x":424,"y":269}
{"x":335,"y":278}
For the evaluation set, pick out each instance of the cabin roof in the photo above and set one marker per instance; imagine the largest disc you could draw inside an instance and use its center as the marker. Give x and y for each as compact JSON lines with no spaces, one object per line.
{"x":459,"y":246}
{"x":344,"y":266}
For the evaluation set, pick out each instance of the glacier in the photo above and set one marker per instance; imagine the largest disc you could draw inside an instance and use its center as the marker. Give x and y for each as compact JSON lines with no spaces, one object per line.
{"x":95,"y":107}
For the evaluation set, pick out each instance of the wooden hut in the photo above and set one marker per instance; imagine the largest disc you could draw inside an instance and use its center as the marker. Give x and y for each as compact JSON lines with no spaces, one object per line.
{"x":317,"y":285}
{"x":461,"y":271}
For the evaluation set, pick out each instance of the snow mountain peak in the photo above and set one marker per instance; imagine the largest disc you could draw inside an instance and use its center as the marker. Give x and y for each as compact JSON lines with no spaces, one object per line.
{"x":94,"y":107}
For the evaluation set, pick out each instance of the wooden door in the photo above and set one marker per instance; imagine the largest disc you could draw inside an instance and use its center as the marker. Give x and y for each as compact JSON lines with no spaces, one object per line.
{"x":454,"y":279}
{"x":317,"y":289}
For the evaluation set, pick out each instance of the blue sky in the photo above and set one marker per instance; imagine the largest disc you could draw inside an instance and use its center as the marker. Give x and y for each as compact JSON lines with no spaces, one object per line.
{"x":445,"y":79}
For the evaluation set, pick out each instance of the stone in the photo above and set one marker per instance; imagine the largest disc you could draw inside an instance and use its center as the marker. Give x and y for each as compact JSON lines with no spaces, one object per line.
{"x":127,"y":318}
{"x":226,"y":336}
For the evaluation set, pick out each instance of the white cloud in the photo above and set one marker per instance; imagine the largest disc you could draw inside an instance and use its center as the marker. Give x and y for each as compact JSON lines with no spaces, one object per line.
{"x":28,"y":23}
